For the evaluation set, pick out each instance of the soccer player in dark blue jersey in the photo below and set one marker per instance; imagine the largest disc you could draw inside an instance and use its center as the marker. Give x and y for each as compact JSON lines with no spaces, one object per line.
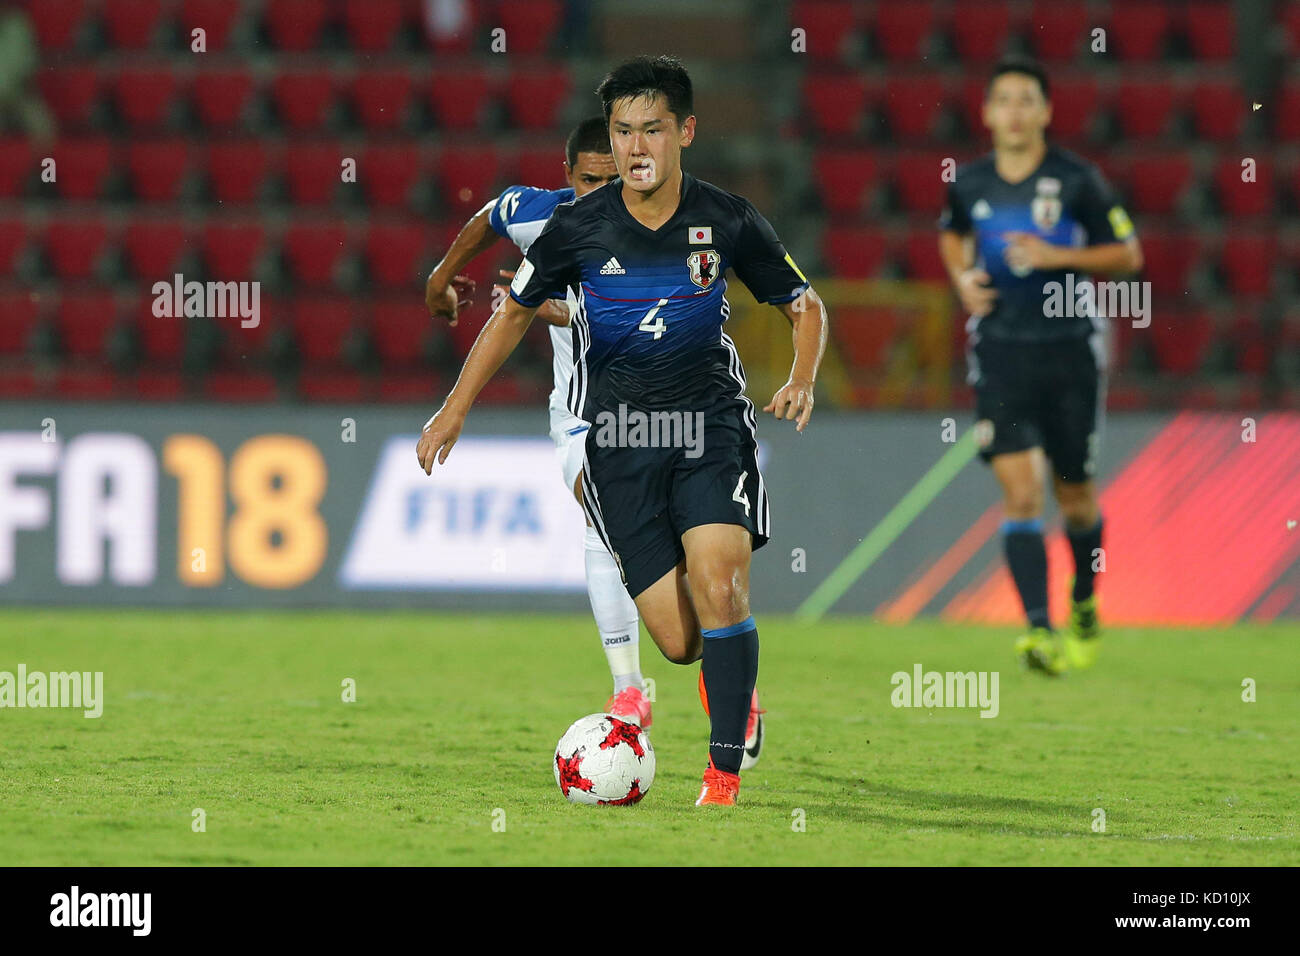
{"x":1022,"y":226}
{"x":671,"y":477}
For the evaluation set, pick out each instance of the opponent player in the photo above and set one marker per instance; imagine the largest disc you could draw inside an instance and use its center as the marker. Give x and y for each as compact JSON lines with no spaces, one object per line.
{"x":518,"y":214}
{"x":647,"y":257}
{"x":1037,"y":214}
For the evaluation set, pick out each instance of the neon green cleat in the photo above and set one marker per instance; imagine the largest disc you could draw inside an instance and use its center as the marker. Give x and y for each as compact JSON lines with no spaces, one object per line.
{"x":1040,"y":650}
{"x":1083,"y":644}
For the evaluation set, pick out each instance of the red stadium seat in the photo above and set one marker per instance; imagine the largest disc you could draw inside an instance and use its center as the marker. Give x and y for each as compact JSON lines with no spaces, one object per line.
{"x":921,"y":256}
{"x":332,"y":385}
{"x":238,"y":169}
{"x":387,"y":172}
{"x":313,"y":172}
{"x":1286,"y":112}
{"x":1169,"y":260}
{"x":421,"y":386}
{"x":1076,"y":100}
{"x":13,"y":240}
{"x":1211,"y":29}
{"x":844,"y":178}
{"x":1290,"y":17}
{"x":157,"y":168}
{"x":221,"y":97}
{"x":1181,"y":340}
{"x":162,"y":338}
{"x":372,"y":25}
{"x":75,"y":246}
{"x":86,"y":382}
{"x":980,"y":30}
{"x":82,"y":166}
{"x":231,"y":249}
{"x":1146,"y":106}
{"x":56,"y":22}
{"x":1157,"y":181}
{"x":902,"y":28}
{"x":1247,"y":261}
{"x":84,"y":321}
{"x":917,"y":178}
{"x":321,"y":328}
{"x":535,"y":97}
{"x":1239,"y":198}
{"x":381,"y":98}
{"x":467,"y":176}
{"x":132,"y":24}
{"x":215,"y":17}
{"x":1138,"y":28}
{"x":395,"y":253}
{"x":541,"y":168}
{"x":71,"y":92}
{"x":457,"y":97}
{"x":313,"y":251}
{"x":530,"y":25}
{"x":835,"y":102}
{"x":1219,"y":109}
{"x":1253,"y":346}
{"x":402,"y":329}
{"x":829,"y":26}
{"x":912,"y":103}
{"x":303,"y":99}
{"x":145,"y":96}
{"x":21,"y":309}
{"x":451,"y":28}
{"x":854,"y":252}
{"x":16,"y":164}
{"x":1057,"y":28}
{"x":296,"y":25}
{"x":154,"y":247}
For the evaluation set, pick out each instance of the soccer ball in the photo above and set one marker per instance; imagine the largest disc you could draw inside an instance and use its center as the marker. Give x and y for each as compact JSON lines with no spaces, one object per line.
{"x":602,"y":759}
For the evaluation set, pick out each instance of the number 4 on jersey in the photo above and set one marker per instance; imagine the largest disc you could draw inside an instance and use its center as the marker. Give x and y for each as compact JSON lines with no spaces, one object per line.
{"x":652,"y":324}
{"x":739,"y":494}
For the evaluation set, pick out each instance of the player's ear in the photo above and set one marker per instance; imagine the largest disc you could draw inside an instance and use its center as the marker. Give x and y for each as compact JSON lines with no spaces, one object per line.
{"x":688,"y":131}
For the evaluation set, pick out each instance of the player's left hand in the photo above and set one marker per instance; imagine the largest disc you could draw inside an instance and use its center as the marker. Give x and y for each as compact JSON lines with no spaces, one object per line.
{"x":792,"y":399}
{"x":1026,"y":252}
{"x":439,"y":436}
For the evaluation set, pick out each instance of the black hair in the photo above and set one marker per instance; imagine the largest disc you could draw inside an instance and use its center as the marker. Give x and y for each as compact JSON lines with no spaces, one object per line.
{"x":589,"y":136}
{"x":1021,"y":64}
{"x":649,"y":76}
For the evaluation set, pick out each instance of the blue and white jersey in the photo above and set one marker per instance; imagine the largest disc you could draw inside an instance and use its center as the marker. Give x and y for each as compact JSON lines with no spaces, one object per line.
{"x":519,"y":214}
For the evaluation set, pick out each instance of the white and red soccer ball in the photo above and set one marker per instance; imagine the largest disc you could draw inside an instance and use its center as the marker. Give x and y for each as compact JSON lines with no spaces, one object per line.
{"x":602,"y":759}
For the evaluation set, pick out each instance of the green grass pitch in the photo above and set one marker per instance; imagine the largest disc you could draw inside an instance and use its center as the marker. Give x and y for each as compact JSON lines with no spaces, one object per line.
{"x":456,"y":718}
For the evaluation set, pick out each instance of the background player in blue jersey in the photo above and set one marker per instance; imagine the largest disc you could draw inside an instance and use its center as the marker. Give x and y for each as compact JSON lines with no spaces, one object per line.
{"x":519,"y":214}
{"x":648,"y":258}
{"x":1021,"y":224}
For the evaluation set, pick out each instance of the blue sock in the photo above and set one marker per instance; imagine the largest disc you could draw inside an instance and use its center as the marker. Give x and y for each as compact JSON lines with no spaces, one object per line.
{"x":730,"y":668}
{"x":1027,"y":558}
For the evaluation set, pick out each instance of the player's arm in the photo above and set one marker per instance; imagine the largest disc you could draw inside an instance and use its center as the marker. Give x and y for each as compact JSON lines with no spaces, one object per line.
{"x":971,"y":284}
{"x":552,"y":311}
{"x":444,"y":282}
{"x":810,"y":323}
{"x":1025,"y":250}
{"x":500,"y":336}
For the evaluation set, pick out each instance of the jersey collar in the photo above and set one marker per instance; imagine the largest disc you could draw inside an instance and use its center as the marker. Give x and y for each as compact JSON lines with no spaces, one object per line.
{"x":688,"y":183}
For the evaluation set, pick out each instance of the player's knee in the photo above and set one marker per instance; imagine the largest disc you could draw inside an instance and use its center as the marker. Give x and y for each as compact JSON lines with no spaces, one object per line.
{"x":724,"y":594}
{"x":1023,"y":502}
{"x":1079,"y":511}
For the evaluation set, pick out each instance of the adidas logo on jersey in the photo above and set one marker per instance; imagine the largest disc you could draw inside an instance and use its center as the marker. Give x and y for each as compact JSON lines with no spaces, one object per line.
{"x":612,"y":268}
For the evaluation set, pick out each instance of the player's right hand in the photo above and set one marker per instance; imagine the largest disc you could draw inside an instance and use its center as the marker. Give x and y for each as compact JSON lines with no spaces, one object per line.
{"x":977,"y":296}
{"x":439,"y":436}
{"x":446,"y":302}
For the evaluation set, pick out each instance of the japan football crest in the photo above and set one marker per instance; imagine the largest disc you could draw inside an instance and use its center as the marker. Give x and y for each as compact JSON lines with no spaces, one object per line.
{"x":1046,"y":207}
{"x":703,"y":267}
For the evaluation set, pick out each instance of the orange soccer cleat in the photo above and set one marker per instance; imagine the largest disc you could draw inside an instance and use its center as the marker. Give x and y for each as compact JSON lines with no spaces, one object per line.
{"x":753,"y":728}
{"x":631,"y":704}
{"x":719,"y":788}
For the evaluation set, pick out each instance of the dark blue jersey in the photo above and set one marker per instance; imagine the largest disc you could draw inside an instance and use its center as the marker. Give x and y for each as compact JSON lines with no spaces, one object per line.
{"x":651,"y":302}
{"x":1065,"y":201}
